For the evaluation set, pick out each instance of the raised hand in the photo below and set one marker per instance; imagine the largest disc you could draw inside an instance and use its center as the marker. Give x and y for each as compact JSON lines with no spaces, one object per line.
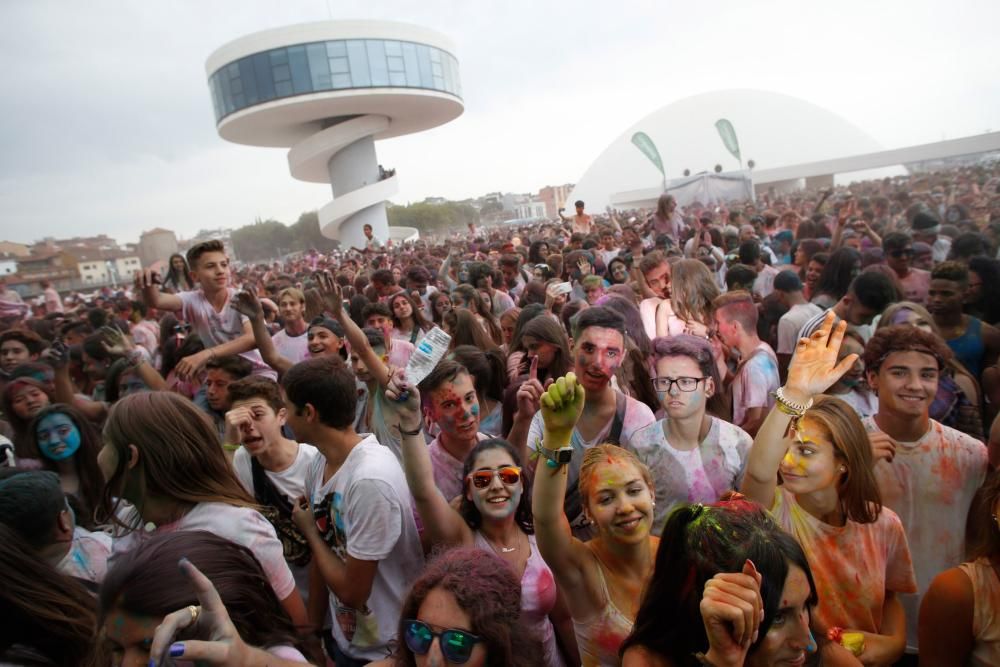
{"x":238,"y":421}
{"x":814,"y":368}
{"x":333,"y":296}
{"x":529,"y":394}
{"x":584,"y":267}
{"x":245,"y":302}
{"x":404,"y":400}
{"x":57,"y":355}
{"x":732,"y":610}
{"x":220,"y":643}
{"x":146,"y":278}
{"x":561,"y":405}
{"x":115,"y":342}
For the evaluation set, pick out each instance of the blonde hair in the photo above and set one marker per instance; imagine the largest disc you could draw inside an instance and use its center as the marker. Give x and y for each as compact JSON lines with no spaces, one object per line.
{"x":293,"y":292}
{"x":609,"y":453}
{"x":858,"y":491}
{"x":692,"y":291}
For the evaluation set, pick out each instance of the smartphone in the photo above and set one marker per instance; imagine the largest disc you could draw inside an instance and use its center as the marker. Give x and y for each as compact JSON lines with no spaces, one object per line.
{"x":562,"y":288}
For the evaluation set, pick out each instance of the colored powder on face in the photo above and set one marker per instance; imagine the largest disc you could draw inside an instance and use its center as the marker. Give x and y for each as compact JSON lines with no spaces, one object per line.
{"x":475,"y":410}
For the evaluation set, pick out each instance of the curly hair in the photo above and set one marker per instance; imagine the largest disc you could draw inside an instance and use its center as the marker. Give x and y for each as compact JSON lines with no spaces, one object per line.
{"x":485,"y":588}
{"x":951,"y":270}
{"x":904,"y":338}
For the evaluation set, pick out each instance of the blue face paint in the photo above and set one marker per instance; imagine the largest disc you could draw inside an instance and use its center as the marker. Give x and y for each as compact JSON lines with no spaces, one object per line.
{"x":58,"y":437}
{"x":475,"y":410}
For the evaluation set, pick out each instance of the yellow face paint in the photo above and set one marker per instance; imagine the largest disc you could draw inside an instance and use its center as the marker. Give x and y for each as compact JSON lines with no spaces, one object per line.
{"x":795,"y":463}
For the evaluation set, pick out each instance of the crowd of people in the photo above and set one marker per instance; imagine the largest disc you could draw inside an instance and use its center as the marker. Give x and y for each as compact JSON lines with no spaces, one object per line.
{"x":760,"y":433}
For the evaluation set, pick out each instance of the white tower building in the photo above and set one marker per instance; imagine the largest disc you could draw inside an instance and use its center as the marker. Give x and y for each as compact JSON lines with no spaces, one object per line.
{"x":327,"y":91}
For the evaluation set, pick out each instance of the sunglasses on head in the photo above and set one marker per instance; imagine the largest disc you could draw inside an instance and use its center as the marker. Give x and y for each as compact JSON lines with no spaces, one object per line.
{"x":456,"y":645}
{"x":509,"y":475}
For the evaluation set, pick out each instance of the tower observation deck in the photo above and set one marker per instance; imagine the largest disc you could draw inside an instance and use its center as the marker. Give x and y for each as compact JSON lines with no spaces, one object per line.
{"x":327,"y":91}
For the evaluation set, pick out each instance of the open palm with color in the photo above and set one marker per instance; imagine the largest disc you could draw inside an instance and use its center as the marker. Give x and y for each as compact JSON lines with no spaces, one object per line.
{"x":814,"y":368}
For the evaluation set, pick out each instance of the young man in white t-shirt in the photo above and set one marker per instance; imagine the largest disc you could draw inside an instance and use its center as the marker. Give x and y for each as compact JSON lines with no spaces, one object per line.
{"x":693,"y":456}
{"x":291,"y":342}
{"x":608,"y":414}
{"x":221,"y":328}
{"x":756,"y":377}
{"x":927,"y":472}
{"x":357,"y":516}
{"x":270,"y":466}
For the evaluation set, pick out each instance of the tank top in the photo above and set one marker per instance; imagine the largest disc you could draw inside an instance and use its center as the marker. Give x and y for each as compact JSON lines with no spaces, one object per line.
{"x":538,"y":597}
{"x":985,"y":614}
{"x":600,"y":638}
{"x":968,"y":347}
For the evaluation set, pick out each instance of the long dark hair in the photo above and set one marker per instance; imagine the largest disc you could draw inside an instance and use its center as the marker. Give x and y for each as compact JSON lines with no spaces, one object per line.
{"x":843,"y":264}
{"x":699,"y":542}
{"x":486,"y":589}
{"x":84,"y":461}
{"x":488,"y":369}
{"x":466,"y":329}
{"x":180,"y":457}
{"x":48,"y":617}
{"x":147,"y":582}
{"x":182,"y":281}
{"x":546,"y":329}
{"x":468,"y":510}
{"x":420,"y":322}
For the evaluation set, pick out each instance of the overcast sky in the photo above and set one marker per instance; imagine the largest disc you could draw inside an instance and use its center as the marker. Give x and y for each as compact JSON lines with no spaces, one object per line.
{"x":107,"y":123}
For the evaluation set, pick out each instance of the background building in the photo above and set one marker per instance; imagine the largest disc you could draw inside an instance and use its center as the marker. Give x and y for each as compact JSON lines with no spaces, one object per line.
{"x":327,"y":91}
{"x":156,"y":245}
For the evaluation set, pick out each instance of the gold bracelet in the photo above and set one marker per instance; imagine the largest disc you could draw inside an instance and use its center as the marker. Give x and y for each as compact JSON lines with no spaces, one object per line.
{"x":788,"y":407}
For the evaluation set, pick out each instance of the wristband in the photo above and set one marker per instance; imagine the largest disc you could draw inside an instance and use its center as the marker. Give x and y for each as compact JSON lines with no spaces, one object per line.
{"x":230,"y":447}
{"x":788,"y":407}
{"x":413,"y":432}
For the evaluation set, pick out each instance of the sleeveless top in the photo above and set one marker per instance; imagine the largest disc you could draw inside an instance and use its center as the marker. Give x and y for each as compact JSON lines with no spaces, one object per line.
{"x":986,"y":613}
{"x":538,"y":597}
{"x":600,"y":638}
{"x":968,"y":347}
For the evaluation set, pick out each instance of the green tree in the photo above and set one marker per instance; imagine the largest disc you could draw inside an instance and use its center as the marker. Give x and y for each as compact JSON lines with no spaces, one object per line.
{"x":433,"y":218}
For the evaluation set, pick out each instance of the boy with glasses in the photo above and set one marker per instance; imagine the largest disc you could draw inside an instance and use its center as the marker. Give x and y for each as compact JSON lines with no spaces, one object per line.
{"x":693,"y":456}
{"x":899,"y":255}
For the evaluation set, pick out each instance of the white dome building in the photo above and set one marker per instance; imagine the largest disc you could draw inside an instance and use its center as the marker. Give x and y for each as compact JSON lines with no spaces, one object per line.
{"x":774,"y":130}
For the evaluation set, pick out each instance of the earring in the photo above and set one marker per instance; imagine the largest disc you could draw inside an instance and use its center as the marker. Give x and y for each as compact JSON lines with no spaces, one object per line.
{"x":843,"y":469}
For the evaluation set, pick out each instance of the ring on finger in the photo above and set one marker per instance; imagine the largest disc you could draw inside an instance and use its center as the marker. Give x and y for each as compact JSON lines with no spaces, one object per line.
{"x":195,"y":612}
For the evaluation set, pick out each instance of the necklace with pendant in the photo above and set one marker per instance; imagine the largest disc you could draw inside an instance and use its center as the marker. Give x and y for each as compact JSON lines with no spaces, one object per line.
{"x":503,"y":549}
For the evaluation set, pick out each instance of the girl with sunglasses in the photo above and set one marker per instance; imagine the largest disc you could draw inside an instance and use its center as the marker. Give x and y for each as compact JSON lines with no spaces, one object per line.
{"x":828,"y":499}
{"x":465,"y":610}
{"x":602,"y":579}
{"x":494,"y":516}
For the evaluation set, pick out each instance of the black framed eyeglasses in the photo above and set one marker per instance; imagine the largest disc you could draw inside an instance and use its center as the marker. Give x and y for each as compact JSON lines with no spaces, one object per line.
{"x":664,"y":384}
{"x":456,"y":645}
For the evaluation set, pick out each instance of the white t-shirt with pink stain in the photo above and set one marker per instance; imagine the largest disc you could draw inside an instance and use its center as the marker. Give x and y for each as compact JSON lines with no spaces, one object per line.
{"x":755,"y":382}
{"x":218,"y":327}
{"x":930,"y":484}
{"x":699,"y":475}
{"x":240,"y":525}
